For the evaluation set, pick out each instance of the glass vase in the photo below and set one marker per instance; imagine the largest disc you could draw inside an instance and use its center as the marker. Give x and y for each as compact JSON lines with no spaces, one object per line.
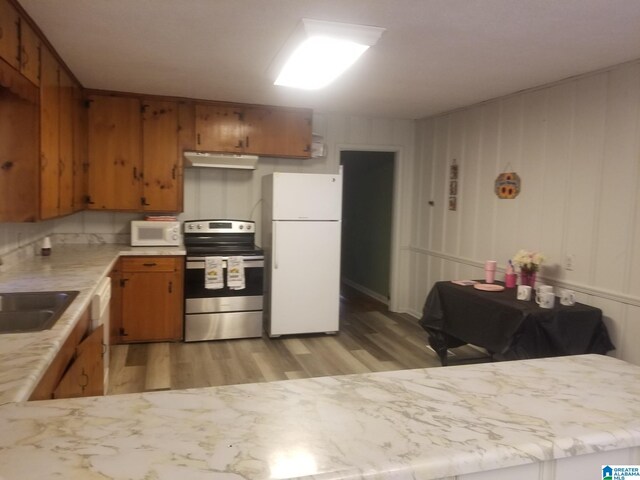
{"x":528,"y":278}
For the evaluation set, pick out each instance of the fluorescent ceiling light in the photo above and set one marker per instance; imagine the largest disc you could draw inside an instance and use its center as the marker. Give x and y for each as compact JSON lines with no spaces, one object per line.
{"x":318,"y":52}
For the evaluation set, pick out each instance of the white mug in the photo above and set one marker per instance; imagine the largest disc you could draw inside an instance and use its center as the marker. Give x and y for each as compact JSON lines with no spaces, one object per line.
{"x":545,"y":299}
{"x":544,"y":288}
{"x":524,"y":292}
{"x":567,"y":297}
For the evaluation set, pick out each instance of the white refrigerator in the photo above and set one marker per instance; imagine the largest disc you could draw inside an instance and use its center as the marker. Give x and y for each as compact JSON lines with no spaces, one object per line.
{"x":301,"y":220}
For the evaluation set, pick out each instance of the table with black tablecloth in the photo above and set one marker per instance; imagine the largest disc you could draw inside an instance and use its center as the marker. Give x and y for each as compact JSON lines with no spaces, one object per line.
{"x":509,"y":328}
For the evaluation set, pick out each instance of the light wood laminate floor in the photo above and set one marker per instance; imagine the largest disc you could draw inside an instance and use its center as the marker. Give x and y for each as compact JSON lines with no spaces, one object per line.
{"x":371,"y":339}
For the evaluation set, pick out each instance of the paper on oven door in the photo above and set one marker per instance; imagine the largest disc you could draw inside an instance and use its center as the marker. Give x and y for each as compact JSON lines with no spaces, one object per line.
{"x":235,"y":273}
{"x":213,"y":278}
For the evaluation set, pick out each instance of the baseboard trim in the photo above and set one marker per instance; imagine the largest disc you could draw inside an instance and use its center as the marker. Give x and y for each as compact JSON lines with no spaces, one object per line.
{"x":366,"y":291}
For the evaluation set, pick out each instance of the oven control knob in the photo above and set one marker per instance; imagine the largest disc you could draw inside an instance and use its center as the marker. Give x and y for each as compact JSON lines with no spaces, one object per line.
{"x":174,"y":230}
{"x":241,"y":227}
{"x":248,"y":226}
{"x":199,"y":226}
{"x":175,"y":237}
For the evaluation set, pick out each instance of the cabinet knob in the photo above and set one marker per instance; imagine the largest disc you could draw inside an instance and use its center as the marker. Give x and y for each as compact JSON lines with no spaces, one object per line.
{"x":7,"y":165}
{"x":150,"y":264}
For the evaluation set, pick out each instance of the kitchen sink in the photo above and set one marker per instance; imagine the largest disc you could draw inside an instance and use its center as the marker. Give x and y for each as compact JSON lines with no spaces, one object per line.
{"x":32,"y":311}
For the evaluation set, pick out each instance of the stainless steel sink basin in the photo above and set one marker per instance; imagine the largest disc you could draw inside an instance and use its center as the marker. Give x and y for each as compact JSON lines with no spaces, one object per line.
{"x":32,"y":311}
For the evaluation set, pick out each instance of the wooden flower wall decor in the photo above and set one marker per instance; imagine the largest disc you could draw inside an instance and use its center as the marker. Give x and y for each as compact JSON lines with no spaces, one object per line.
{"x":507,"y":185}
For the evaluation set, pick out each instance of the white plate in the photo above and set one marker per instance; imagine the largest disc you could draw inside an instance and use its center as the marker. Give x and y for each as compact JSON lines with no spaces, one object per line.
{"x":488,"y":287}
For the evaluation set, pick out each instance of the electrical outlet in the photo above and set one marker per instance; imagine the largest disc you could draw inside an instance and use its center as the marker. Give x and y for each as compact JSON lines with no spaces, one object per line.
{"x":569,"y":262}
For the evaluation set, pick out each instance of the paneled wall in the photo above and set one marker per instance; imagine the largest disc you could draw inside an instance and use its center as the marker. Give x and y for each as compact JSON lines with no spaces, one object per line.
{"x":576,"y":147}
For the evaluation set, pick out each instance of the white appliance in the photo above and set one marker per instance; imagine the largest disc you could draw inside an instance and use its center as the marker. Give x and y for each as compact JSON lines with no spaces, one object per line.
{"x":148,"y":233}
{"x":301,"y":222}
{"x":100,"y":316}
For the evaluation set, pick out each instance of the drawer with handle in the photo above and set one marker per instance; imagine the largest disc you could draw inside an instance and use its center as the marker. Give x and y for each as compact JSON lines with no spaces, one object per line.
{"x":150,"y":264}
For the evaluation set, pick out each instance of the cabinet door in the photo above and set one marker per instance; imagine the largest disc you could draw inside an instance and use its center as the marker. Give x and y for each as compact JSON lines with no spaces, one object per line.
{"x":80,"y":120}
{"x":85,"y":376}
{"x":278,"y":132}
{"x":161,"y":158}
{"x":9,"y":34}
{"x":115,"y":150}
{"x":149,"y":312}
{"x":29,"y":53}
{"x":49,"y":136}
{"x":219,"y":128}
{"x":18,"y":152}
{"x":66,"y":143}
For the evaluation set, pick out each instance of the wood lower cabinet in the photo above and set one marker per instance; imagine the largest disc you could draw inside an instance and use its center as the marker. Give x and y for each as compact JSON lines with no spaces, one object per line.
{"x":78,"y":369}
{"x":148,"y":300}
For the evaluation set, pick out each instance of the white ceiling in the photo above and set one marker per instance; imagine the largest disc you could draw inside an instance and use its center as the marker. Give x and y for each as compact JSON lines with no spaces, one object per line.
{"x":436,"y":55}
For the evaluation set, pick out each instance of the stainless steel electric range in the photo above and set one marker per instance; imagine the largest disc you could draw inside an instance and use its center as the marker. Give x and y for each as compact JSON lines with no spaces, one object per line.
{"x":222,"y":312}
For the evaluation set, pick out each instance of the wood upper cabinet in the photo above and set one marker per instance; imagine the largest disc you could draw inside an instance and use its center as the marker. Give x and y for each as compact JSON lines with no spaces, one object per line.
{"x":219,"y":128}
{"x":18,"y":147}
{"x":134,"y":161}
{"x":66,"y":144}
{"x":61,"y":140}
{"x":49,"y":136}
{"x":115,"y":153}
{"x":265,"y":131}
{"x":278,"y":132}
{"x":161,"y":158}
{"x":150,"y":297}
{"x":9,"y":34}
{"x":80,"y":152}
{"x":29,"y":53}
{"x":19,"y":44}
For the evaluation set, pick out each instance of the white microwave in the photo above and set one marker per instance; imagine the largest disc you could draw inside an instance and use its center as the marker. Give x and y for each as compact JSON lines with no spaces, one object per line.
{"x":145,"y":233}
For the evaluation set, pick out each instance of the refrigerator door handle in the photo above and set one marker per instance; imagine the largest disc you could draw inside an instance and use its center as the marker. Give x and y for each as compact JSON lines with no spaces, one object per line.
{"x":274,"y":246}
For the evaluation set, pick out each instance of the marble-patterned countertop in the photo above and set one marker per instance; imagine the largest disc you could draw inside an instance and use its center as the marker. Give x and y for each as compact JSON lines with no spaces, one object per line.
{"x":426,"y":424}
{"x":24,"y":357}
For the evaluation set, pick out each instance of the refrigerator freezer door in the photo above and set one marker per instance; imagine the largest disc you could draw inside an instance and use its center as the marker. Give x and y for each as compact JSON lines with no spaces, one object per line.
{"x":305,"y":285}
{"x":307,"y":196}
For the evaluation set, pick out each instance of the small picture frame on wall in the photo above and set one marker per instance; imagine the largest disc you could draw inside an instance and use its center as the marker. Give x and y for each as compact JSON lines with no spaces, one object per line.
{"x":453,"y":203}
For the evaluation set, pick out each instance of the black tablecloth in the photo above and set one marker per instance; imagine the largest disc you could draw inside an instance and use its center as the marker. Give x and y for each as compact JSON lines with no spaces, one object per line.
{"x":509,"y":328}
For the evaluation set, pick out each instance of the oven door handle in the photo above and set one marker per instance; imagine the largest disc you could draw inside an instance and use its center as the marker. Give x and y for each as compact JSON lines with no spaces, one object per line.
{"x":193,"y":265}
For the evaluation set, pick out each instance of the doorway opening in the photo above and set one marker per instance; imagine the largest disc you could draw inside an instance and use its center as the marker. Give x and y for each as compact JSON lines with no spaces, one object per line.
{"x":367,"y":216}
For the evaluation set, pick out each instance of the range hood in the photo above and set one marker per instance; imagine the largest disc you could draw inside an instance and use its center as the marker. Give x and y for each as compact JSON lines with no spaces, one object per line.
{"x":220,"y":160}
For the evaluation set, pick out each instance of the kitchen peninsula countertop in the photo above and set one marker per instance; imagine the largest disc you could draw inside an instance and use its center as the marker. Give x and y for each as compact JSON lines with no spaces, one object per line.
{"x":24,"y":357}
{"x":420,"y":424}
